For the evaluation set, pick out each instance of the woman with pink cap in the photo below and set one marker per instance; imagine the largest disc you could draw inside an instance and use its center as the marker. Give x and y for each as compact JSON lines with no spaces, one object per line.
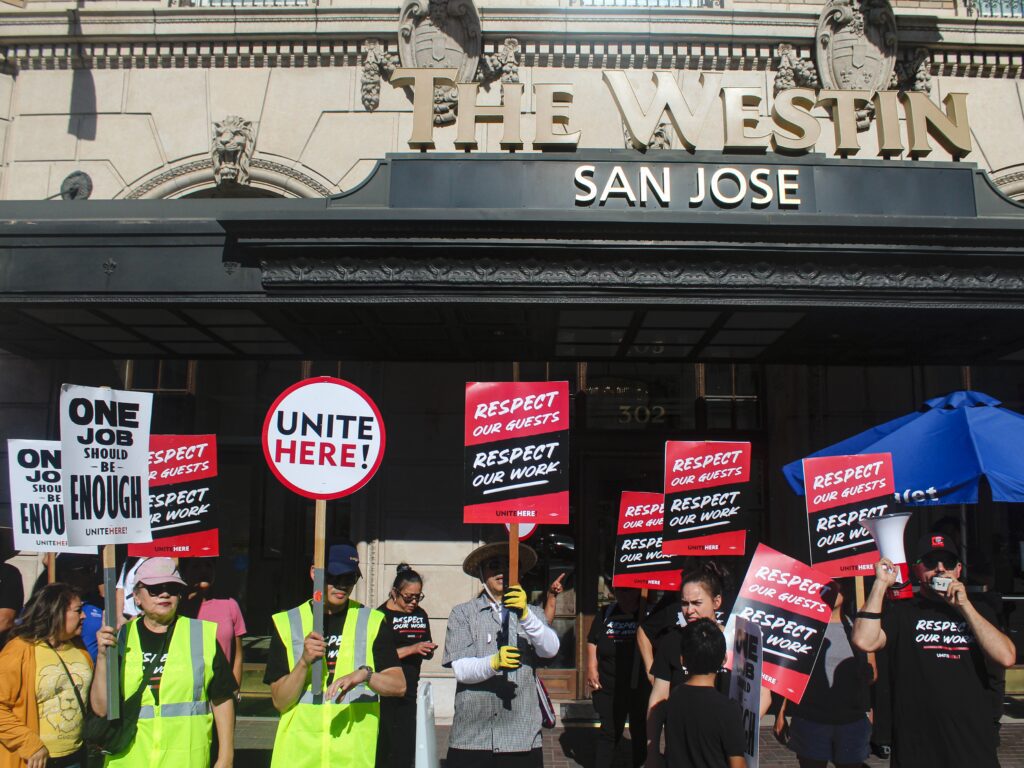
{"x":185,"y":681}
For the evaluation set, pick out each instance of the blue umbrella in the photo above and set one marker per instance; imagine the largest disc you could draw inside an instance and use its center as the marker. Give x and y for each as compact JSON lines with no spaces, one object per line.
{"x":940,"y":452}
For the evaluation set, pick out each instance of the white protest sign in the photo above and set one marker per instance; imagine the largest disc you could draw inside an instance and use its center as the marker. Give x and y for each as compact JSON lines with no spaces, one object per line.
{"x":37,"y":511}
{"x":745,"y":688}
{"x":104,"y":436}
{"x":323,"y":438}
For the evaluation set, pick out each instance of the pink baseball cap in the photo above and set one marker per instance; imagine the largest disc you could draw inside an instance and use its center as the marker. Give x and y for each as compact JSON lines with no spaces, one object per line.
{"x":158,"y":570}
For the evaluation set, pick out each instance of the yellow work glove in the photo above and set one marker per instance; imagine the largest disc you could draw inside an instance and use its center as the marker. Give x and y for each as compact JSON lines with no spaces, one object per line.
{"x":515,"y":600}
{"x":507,"y":657}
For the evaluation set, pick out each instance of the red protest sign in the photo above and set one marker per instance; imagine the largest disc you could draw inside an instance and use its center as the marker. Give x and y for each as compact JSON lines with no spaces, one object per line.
{"x":639,"y":559}
{"x":517,"y":452}
{"x":700,"y":521}
{"x":182,"y":504}
{"x":840,"y":492}
{"x":792,"y":603}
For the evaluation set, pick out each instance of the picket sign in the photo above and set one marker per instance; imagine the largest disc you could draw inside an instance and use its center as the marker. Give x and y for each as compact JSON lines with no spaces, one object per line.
{"x":323,"y":438}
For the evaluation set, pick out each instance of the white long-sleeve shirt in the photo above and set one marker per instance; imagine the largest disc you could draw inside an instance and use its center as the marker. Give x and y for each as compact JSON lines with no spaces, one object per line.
{"x":542,"y":637}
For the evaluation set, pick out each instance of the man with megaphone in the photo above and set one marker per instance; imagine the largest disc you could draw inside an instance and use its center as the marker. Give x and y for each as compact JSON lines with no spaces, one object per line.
{"x":944,"y":650}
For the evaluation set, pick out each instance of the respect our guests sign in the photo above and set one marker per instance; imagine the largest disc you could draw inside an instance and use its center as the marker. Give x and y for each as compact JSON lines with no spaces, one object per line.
{"x":792,"y":603}
{"x":104,"y":436}
{"x":517,"y":452}
{"x":639,"y":559}
{"x":841,"y":491}
{"x":705,"y":485}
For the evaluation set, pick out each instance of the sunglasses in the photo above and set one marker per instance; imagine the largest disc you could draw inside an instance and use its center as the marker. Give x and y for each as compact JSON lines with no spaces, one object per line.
{"x":412,"y":598}
{"x":346,"y":581}
{"x":495,"y":564}
{"x":170,"y":588}
{"x":932,"y":560}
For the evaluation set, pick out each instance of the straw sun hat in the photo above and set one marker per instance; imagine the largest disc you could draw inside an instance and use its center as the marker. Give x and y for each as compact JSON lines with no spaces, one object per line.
{"x":471,"y":565}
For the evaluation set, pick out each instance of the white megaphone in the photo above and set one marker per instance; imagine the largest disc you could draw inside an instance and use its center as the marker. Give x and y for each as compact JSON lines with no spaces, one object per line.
{"x":887,"y":531}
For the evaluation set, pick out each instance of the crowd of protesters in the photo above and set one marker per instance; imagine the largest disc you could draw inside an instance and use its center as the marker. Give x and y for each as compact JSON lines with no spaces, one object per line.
{"x":929,"y":667}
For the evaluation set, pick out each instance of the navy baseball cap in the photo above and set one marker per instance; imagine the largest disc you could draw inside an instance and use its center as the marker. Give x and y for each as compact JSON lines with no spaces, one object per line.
{"x":342,"y":559}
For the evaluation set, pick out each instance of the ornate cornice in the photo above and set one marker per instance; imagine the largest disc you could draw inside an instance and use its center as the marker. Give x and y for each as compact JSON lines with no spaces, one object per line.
{"x":637,"y":275}
{"x":205,"y":167}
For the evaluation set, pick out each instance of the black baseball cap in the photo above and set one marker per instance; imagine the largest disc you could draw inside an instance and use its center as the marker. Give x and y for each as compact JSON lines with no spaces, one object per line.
{"x":937,"y":542}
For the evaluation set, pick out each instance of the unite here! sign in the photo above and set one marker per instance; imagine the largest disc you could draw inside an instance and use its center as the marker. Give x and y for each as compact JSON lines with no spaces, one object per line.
{"x":323,"y":438}
{"x":639,"y":560}
{"x":38,"y":519}
{"x":104,"y":438}
{"x":705,"y":486}
{"x":840,"y":492}
{"x":517,"y":453}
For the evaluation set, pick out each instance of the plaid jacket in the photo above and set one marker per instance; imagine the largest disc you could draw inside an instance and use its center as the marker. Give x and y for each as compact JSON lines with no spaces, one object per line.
{"x":501,"y":714}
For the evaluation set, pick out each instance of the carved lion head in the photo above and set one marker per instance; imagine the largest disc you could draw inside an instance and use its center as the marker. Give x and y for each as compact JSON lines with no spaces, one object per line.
{"x":231,"y":150}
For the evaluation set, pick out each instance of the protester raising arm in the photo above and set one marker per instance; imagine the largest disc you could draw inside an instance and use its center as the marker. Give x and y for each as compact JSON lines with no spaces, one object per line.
{"x":995,"y":645}
{"x":868,"y":634}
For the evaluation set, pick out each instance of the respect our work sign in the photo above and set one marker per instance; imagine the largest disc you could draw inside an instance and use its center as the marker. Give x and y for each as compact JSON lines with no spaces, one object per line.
{"x":183,"y":512}
{"x":38,"y":519}
{"x":323,"y":438}
{"x":791,"y":603}
{"x":517,"y":452}
{"x":705,"y":487}
{"x":840,"y":492}
{"x":104,"y":437}
{"x":639,"y":559}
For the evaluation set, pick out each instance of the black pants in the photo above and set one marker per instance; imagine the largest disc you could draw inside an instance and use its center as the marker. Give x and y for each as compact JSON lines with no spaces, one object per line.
{"x":614,"y":709}
{"x":482,"y":758}
{"x":396,"y":741}
{"x":76,"y":760}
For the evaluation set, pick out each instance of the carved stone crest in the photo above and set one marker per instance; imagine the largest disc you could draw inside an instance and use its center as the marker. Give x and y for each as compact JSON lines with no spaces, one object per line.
{"x":231,"y":150}
{"x":856,"y":44}
{"x":441,"y":33}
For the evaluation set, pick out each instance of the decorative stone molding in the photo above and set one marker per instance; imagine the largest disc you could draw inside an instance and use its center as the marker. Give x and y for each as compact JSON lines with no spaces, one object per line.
{"x":441,"y":33}
{"x":503,"y":65}
{"x":793,"y":71}
{"x":377,"y":65}
{"x":856,"y":44}
{"x":231,"y":150}
{"x":77,"y":185}
{"x":913,"y":71}
{"x":1010,"y":181}
{"x":661,"y":139}
{"x":197,"y":174}
{"x":638,"y":272}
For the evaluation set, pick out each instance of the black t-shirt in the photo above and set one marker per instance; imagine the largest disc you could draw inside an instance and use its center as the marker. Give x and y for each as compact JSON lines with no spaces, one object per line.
{"x":384,"y":654}
{"x":837,"y":691}
{"x":663,"y":615}
{"x":12,"y":591}
{"x":943,"y":712}
{"x":408,"y":629}
{"x":154,"y":652}
{"x":614,"y":634}
{"x":703,"y":728}
{"x":668,"y":664}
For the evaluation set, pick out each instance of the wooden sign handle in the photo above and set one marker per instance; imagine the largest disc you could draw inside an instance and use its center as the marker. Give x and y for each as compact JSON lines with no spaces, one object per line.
{"x":110,"y":604}
{"x":319,"y":543}
{"x":51,"y":567}
{"x":513,"y":554}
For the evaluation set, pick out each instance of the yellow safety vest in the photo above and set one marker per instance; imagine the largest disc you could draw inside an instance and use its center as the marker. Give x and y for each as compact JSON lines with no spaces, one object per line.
{"x":330,"y":735}
{"x":177,"y":731}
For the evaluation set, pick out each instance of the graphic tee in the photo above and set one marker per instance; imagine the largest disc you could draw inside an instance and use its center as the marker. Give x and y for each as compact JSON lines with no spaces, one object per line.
{"x":614,"y":634}
{"x":408,"y":629}
{"x":60,"y":714}
{"x":938,"y":666}
{"x":154,"y":652}
{"x":703,"y":728}
{"x":385,"y":654}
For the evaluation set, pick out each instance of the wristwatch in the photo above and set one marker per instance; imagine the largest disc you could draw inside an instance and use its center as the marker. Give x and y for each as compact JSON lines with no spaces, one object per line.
{"x":369,"y":674}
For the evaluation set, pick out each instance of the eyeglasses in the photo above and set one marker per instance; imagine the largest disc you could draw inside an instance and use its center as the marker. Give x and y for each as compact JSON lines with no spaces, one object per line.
{"x":412,"y":598}
{"x":345,"y":581}
{"x":933,"y":560}
{"x":169,"y":588}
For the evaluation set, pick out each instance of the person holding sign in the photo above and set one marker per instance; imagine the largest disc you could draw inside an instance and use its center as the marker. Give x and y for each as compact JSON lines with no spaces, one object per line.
{"x":360,"y":665}
{"x":944,"y":651}
{"x":493,"y":645}
{"x":45,"y":673}
{"x":616,"y":677}
{"x":705,"y":727}
{"x":410,"y":626}
{"x":186,"y":682}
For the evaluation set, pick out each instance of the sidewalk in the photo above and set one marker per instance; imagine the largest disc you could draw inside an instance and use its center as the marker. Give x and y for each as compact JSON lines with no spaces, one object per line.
{"x":574,"y":747}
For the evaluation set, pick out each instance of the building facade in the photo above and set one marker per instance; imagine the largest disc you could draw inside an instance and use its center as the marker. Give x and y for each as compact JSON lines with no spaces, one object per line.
{"x":782,"y":222}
